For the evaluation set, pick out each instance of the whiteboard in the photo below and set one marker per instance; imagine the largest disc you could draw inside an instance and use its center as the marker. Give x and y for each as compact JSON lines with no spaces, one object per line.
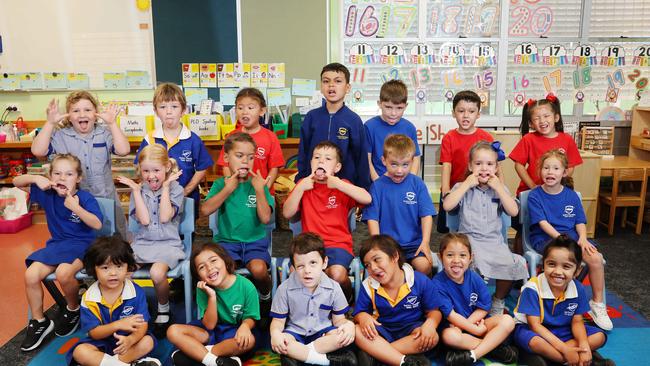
{"x":81,"y":36}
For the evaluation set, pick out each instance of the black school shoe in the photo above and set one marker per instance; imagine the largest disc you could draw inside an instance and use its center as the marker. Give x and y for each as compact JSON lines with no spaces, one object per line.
{"x":458,"y":358}
{"x":36,"y":333}
{"x":181,"y":359}
{"x":342,"y":357}
{"x":598,"y":360}
{"x":159,"y":330}
{"x":530,"y":359}
{"x":416,"y":360}
{"x":288,"y":361}
{"x":364,"y":359}
{"x":504,"y":354}
{"x":66,"y":322}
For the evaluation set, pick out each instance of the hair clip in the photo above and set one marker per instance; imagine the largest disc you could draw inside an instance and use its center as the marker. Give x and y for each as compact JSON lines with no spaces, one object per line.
{"x":531,"y":102}
{"x":551,"y":98}
{"x":496,"y":146}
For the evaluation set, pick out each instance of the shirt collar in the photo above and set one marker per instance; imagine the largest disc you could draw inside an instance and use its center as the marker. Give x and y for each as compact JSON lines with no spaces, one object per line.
{"x":185,"y":133}
{"x":409,"y":276}
{"x":94,"y":294}
{"x":571,"y":291}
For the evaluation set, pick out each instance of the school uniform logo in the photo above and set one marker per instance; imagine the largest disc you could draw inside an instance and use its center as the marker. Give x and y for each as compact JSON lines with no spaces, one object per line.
{"x":342,"y":133}
{"x":127,"y":311}
{"x":571,"y":309}
{"x":186,"y":156}
{"x":409,"y":198}
{"x":412,"y":302}
{"x":473,"y":297}
{"x":74,"y":218}
{"x":568,"y":211}
{"x":260,"y":153}
{"x":331,"y":202}
{"x":236,"y":310}
{"x":252,"y":201}
{"x":562,"y":150}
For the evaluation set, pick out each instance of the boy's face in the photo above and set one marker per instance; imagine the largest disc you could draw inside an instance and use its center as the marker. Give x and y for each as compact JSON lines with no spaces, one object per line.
{"x":170,"y":113}
{"x":240,"y":158}
{"x":309,"y":267}
{"x":249,"y":112}
{"x":82,"y":116}
{"x":466,"y":113}
{"x":111,"y":275}
{"x":397,"y":167}
{"x":324,"y":162}
{"x":391,"y":112}
{"x":334,"y":86}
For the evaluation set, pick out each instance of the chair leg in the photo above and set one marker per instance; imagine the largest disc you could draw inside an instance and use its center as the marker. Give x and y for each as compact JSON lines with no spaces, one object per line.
{"x":58,"y":297}
{"x":598,"y":212}
{"x":639,"y":220}
{"x":624,"y":218}
{"x":610,"y":223}
{"x":187,"y":287}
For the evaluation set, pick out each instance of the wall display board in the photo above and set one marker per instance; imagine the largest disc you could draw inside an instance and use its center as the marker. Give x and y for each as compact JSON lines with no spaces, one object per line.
{"x":598,"y":140}
{"x":506,"y":51}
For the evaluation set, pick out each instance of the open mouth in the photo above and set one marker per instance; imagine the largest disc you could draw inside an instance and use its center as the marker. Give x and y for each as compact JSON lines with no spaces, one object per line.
{"x":242,"y":172}
{"x":320,"y":173}
{"x":213,"y":276}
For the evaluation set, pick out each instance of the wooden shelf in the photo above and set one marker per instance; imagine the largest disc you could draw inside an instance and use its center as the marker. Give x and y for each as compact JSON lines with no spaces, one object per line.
{"x":16,"y":145}
{"x":640,"y":142}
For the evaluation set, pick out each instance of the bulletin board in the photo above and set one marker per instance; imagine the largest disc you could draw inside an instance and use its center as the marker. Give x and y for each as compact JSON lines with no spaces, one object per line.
{"x":91,"y":37}
{"x":583,"y":51}
{"x":598,"y":140}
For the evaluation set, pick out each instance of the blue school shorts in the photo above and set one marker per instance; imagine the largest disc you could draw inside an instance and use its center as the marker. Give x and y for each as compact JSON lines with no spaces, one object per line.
{"x":246,"y":252}
{"x":308,"y":339}
{"x":523,"y":334}
{"x":409,"y":252}
{"x":338,"y":256}
{"x":391,"y":335}
{"x":106,"y":345}
{"x":219,"y":334}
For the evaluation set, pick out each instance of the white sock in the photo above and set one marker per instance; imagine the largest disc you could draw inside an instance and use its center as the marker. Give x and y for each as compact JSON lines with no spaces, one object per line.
{"x":68,"y":307}
{"x":402,"y":360}
{"x":210,"y":359}
{"x":264,"y":297}
{"x":162,"y":309}
{"x":471,"y":353}
{"x":316,"y":358}
{"x":209,"y":347}
{"x":111,"y":361}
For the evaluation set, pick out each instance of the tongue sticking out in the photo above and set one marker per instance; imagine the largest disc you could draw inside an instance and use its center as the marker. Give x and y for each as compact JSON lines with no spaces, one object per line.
{"x":243,"y":172}
{"x":320,"y":173}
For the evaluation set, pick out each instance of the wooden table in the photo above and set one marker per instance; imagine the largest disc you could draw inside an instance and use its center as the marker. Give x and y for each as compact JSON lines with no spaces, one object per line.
{"x":607,"y":166}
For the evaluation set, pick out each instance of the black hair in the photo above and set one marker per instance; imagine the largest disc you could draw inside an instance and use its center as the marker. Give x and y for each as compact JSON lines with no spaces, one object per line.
{"x":237,"y":136}
{"x":468,"y":96}
{"x":306,"y":243}
{"x":111,"y":248}
{"x":564,"y":241}
{"x":528,"y":108}
{"x":337,"y":67}
{"x":330,"y":145}
{"x":386,"y":244}
{"x":231,"y":266}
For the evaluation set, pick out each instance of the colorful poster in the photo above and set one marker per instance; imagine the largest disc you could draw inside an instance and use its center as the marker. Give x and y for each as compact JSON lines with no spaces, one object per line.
{"x":243,"y":75}
{"x":259,"y":75}
{"x":138,"y":79}
{"x":78,"y":80}
{"x":276,"y":75}
{"x":208,"y":75}
{"x":55,"y":80}
{"x":226,"y":75}
{"x":114,"y":80}
{"x":191,"y":77}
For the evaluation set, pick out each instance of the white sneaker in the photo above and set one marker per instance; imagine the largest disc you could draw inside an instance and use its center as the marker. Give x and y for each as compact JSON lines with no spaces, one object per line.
{"x":498,"y":306}
{"x":147,"y":361}
{"x":598,"y":313}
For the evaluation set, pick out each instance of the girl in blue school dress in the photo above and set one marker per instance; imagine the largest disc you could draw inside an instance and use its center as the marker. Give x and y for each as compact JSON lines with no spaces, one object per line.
{"x":114,"y":312}
{"x":554,"y":209}
{"x":465,"y":304}
{"x":550,"y":307}
{"x":397,"y":309}
{"x":156,"y":205}
{"x":92,"y":143}
{"x":72,"y":216}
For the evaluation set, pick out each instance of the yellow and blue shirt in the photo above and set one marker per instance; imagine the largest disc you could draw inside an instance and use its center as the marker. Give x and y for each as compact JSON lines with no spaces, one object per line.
{"x":415,"y":298}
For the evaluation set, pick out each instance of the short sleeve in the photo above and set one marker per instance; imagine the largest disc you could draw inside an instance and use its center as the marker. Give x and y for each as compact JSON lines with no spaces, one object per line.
{"x":276,"y":159}
{"x":583,"y":299}
{"x":580,"y":218}
{"x":201,"y":302}
{"x":280,"y":304}
{"x":251,"y":301}
{"x":369,"y":141}
{"x":36,"y":194}
{"x":529,"y":303}
{"x":363,"y":304}
{"x":460,"y":202}
{"x":484,"y":300}
{"x":217,"y":186}
{"x":221,"y":161}
{"x":520,"y":153}
{"x":89,"y":321}
{"x":430,"y":295}
{"x":132,"y":206}
{"x":90,"y":204}
{"x":445,"y":149}
{"x":203,"y":158}
{"x":425,"y":204}
{"x":445,"y":304}
{"x":109,"y":140}
{"x":535,"y":207}
{"x":177,"y":196}
{"x":371,"y":212}
{"x":141,"y":300}
{"x":269,"y":198}
{"x":339,"y":302}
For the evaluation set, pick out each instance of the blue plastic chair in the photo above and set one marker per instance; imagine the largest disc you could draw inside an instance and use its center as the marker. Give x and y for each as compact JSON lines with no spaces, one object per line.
{"x":533,"y":258}
{"x":355,"y":265}
{"x":213,"y":220}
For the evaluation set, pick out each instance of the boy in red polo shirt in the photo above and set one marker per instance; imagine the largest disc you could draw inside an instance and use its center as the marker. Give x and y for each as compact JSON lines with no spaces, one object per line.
{"x":324,"y":201}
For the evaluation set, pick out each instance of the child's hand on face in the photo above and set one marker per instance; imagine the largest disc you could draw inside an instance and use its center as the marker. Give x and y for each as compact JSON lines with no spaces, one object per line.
{"x":280,"y":343}
{"x":71,"y":202}
{"x":257,"y":181}
{"x":135,"y":187}
{"x":172,"y":177}
{"x":43,"y":183}
{"x":494,"y":182}
{"x":472,"y":180}
{"x":307,"y":183}
{"x":54,"y":117}
{"x":244,"y":338}
{"x":345,"y":334}
{"x":232,"y":182}
{"x":131,"y":323}
{"x":333,"y":181}
{"x":368,"y":326}
{"x":109,"y":115}
{"x":207,"y":289}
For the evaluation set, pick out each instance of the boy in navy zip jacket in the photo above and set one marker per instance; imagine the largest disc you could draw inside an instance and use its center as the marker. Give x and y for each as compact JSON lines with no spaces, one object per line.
{"x":336,"y":123}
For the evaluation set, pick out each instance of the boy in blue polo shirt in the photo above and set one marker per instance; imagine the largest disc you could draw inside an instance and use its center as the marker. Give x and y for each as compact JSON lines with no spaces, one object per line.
{"x":337,"y":123}
{"x":309,"y":309}
{"x":393,"y":98}
{"x":401,"y":205}
{"x":183,"y":145}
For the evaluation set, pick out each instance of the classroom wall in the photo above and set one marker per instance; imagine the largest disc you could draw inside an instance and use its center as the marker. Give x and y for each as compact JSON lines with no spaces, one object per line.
{"x":289,"y":31}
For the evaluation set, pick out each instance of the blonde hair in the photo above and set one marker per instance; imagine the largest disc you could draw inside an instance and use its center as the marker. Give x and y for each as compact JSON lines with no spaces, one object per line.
{"x":69,"y":157}
{"x":398,"y":145}
{"x":75,"y":97}
{"x":168,"y":92}
{"x":158,"y":154}
{"x":562,"y":158}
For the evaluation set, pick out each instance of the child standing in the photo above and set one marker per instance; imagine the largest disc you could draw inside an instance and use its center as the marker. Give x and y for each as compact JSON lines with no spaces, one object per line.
{"x":556,"y":209}
{"x":92,"y":143}
{"x":324,"y":201}
{"x":250,"y":106}
{"x":480,"y":200}
{"x":397,"y":310}
{"x":393,"y":98}
{"x":466,"y":109}
{"x":544,"y":116}
{"x":245,"y":206}
{"x":548,"y":312}
{"x":114,"y":310}
{"x":72,"y":216}
{"x":298,"y":335}
{"x":228,"y":307}
{"x":156,"y":205}
{"x":465,"y":305}
{"x":337,"y":123}
{"x":182,"y":144}
{"x":401,"y":206}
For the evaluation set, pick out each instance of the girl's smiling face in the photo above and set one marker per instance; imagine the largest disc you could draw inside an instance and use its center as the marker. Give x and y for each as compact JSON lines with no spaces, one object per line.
{"x":211,"y":268}
{"x":380,"y":266}
{"x":153,"y":173}
{"x":559,"y":268}
{"x":483,"y":164}
{"x":543,"y":119}
{"x":455,"y":260}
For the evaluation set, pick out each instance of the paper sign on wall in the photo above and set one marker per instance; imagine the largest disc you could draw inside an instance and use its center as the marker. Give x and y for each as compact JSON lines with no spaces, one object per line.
{"x":276,"y":75}
{"x":78,"y":80}
{"x":204,"y":125}
{"x":31,"y":80}
{"x":114,"y":80}
{"x":191,"y":75}
{"x":208,"y":75}
{"x":279,"y":96}
{"x":259,"y":75}
{"x":55,"y":80}
{"x":303,"y":87}
{"x":9,"y":81}
{"x":133,"y":127}
{"x":227,"y":95}
{"x":195,"y":96}
{"x":137,"y":79}
{"x":226,"y":75}
{"x":243,"y":75}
